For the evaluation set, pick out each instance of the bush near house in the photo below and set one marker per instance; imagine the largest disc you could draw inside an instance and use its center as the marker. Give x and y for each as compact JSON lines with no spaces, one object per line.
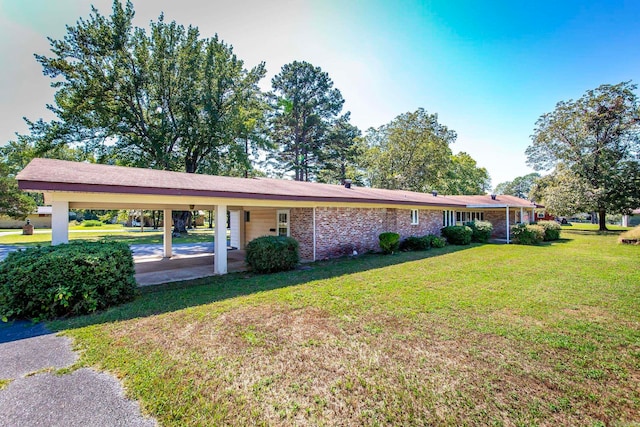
{"x":481,"y":231}
{"x":457,"y":234}
{"x":436,"y":241}
{"x":422,"y":243}
{"x":527,"y":234}
{"x":551,"y":230}
{"x":415,"y":243}
{"x":91,"y":223}
{"x":389,"y":242}
{"x":66,"y":280}
{"x":268,"y":254}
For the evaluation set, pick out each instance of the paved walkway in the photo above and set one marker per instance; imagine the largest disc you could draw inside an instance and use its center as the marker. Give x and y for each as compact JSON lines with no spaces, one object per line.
{"x":37,"y":397}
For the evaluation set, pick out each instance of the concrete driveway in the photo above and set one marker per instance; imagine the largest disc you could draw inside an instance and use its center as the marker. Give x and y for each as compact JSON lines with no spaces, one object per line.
{"x":36,"y":396}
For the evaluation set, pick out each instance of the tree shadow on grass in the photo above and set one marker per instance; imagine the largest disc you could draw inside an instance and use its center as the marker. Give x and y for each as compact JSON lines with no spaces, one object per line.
{"x":170,"y":297}
{"x":594,"y":232}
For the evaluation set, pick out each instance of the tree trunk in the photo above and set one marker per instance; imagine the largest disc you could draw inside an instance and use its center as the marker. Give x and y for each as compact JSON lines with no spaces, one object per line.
{"x":180,"y":221}
{"x":602,"y":216}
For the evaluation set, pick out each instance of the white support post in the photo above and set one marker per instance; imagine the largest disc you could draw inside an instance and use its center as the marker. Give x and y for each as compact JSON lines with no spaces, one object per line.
{"x":220,"y":251}
{"x":243,"y":229}
{"x":522,"y":215}
{"x":59,"y":222}
{"x":166,"y":233}
{"x":532,"y":218}
{"x":508,"y":227}
{"x":625,"y":220}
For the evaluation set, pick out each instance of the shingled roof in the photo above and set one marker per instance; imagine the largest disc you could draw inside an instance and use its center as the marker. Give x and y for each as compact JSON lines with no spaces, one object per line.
{"x":48,"y":175}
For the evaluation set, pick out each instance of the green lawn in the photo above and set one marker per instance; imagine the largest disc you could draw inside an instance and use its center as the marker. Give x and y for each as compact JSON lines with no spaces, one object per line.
{"x":112,"y":232}
{"x":481,"y":335}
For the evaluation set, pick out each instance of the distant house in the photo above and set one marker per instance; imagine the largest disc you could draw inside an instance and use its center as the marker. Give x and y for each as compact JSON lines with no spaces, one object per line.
{"x":543,"y":215}
{"x":327,"y":220}
{"x":39,"y":219}
{"x":631,"y":220}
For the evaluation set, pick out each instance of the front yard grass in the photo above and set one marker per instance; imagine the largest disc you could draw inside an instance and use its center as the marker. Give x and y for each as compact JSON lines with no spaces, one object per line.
{"x":129,"y":235}
{"x":479,"y":335}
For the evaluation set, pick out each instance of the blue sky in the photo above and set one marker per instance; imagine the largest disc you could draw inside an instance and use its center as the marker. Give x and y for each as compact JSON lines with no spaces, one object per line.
{"x":489,"y":69}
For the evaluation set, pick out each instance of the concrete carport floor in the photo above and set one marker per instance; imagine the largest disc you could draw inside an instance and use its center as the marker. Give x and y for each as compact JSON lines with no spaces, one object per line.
{"x":154,"y":270}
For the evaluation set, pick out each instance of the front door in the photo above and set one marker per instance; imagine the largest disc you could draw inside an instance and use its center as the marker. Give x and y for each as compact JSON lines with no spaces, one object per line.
{"x":283,"y":223}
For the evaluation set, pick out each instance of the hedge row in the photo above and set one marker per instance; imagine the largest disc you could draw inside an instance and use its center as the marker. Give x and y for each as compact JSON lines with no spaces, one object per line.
{"x":532,"y":234}
{"x":422,"y":243}
{"x":69,"y":279}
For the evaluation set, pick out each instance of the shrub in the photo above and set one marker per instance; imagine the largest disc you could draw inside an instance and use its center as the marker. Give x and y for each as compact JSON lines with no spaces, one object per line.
{"x":436,"y":241}
{"x":91,"y":223}
{"x":524,"y":234}
{"x":69,"y":279}
{"x":457,"y":234}
{"x":268,"y":254}
{"x":481,"y":231}
{"x":414,"y":243}
{"x":551,"y":230}
{"x":389,"y":242}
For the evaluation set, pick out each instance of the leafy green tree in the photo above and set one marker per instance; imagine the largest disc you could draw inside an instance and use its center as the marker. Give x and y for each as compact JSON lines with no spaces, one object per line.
{"x":465,"y":177}
{"x":342,"y":153}
{"x":519,"y":187}
{"x":305,"y":106}
{"x":166,"y":99}
{"x":410,"y":153}
{"x":13,"y":202}
{"x":562,"y":192}
{"x":596,"y":139}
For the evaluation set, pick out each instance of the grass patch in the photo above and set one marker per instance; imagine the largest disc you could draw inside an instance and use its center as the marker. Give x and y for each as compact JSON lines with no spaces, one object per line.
{"x":485,"y":334}
{"x":129,"y":235}
{"x":630,"y":235}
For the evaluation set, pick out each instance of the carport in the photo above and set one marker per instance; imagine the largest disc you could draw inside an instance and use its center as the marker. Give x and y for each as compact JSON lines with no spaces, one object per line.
{"x":71,"y":185}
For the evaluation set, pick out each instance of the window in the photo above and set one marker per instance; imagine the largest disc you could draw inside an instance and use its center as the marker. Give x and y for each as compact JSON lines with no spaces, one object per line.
{"x":283,"y":223}
{"x":540,"y":214}
{"x":462,"y":217}
{"x":414,"y":217}
{"x":448,"y":218}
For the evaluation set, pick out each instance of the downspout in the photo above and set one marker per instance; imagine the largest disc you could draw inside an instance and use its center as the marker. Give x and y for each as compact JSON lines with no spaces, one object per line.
{"x":508,"y":226}
{"x":314,"y":233}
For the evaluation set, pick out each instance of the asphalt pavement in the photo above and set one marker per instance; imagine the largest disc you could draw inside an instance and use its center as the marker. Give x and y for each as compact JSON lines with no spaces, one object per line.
{"x":37,"y":396}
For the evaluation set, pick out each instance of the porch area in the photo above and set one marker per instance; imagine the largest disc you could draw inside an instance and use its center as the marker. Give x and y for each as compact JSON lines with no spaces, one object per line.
{"x":155,"y":270}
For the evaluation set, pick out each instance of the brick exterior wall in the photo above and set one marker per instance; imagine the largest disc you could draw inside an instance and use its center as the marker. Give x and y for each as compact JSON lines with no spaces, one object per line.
{"x":429,"y":222}
{"x":499,"y":221}
{"x":341,"y":230}
{"x":301,"y":229}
